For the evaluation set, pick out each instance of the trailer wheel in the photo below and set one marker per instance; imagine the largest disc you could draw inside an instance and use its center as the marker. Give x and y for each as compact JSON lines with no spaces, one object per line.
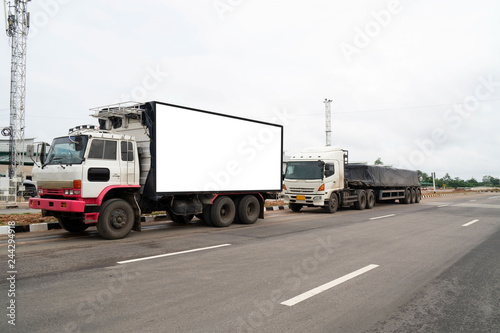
{"x":248,"y":210}
{"x":333,"y":204}
{"x":361,"y":203}
{"x":181,"y":219}
{"x":406,"y":199}
{"x":72,"y":225}
{"x":116,"y":219}
{"x":413,"y":195}
{"x":207,"y":212}
{"x":223,"y":212}
{"x":418,"y":196}
{"x":295,"y":207}
{"x":370,"y":199}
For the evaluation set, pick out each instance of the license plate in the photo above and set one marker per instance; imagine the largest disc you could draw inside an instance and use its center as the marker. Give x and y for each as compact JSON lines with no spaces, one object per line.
{"x":301,"y":197}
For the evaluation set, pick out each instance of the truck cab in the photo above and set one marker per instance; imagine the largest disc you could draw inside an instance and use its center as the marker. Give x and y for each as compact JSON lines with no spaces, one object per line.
{"x":313,"y":177}
{"x":80,"y":171}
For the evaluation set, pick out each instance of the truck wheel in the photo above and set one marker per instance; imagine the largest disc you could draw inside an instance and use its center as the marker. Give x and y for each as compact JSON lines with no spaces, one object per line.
{"x":223,"y":212}
{"x":333,"y":204}
{"x":418,"y":196}
{"x":72,"y":225}
{"x":413,"y":195}
{"x":181,"y":219}
{"x":248,"y":209}
{"x":370,"y":199}
{"x":361,"y":203}
{"x":207,"y":212}
{"x":295,"y":207}
{"x":116,"y":219}
{"x":406,"y":199}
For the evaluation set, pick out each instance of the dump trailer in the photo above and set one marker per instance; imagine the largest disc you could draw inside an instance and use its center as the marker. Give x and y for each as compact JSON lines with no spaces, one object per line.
{"x":323,"y":177}
{"x":145,"y":157}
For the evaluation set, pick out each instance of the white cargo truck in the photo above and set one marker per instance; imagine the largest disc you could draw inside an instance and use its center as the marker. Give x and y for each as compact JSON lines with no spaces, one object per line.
{"x":323,"y":177}
{"x":154,"y":156}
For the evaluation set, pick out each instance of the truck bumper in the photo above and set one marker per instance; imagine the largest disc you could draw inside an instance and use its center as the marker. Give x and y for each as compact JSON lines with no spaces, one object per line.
{"x":58,"y":205}
{"x":307,"y":200}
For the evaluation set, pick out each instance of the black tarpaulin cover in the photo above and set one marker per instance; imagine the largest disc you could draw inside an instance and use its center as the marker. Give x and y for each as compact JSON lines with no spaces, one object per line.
{"x":379,"y":176}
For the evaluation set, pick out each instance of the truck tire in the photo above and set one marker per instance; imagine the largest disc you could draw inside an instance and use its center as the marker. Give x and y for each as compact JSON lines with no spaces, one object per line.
{"x":370,"y":199}
{"x":413,"y":195}
{"x":295,"y":207}
{"x":72,"y":225}
{"x":207,"y":212}
{"x":361,"y":203}
{"x":406,"y":199}
{"x":116,"y":219}
{"x":181,"y":219}
{"x":333,"y":204}
{"x":223,"y":212}
{"x":248,"y":209}
{"x":418,"y":196}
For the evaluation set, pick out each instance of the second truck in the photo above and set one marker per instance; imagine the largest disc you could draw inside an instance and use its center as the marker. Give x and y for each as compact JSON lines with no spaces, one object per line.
{"x":323,"y":177}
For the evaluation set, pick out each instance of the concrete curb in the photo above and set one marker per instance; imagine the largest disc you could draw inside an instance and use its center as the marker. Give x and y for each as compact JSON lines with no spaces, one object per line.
{"x":276,"y":208}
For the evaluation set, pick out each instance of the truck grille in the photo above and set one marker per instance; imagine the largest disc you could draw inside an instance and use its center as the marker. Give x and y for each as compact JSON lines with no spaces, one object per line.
{"x":302,"y":189}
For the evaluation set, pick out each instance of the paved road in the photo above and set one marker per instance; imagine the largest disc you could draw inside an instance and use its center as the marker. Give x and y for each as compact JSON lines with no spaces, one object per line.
{"x":428,"y":267}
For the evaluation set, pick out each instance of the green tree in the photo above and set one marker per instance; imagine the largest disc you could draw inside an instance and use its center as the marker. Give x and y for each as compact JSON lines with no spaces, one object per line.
{"x":378,"y":161}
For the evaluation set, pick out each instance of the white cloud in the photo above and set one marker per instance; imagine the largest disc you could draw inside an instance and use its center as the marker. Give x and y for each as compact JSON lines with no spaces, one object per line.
{"x":266,"y":56}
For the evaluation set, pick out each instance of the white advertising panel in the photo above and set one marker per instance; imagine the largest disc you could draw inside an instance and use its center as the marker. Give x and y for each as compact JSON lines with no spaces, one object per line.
{"x":200,"y":151}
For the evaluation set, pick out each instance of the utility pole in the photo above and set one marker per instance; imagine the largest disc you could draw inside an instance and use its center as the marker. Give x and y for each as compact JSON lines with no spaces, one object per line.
{"x":16,"y":26}
{"x":328,"y":121}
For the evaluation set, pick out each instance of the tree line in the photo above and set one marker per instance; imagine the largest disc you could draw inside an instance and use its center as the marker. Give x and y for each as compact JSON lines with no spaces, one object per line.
{"x":448,"y":181}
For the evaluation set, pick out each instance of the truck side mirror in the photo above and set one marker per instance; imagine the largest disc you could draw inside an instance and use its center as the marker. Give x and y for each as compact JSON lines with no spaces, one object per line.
{"x":42,"y":152}
{"x":30,"y":150}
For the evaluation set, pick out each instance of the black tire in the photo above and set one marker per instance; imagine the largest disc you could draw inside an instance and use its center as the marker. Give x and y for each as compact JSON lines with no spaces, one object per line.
{"x":181,"y":219}
{"x":116,"y":219}
{"x":223,"y":212}
{"x":248,"y":209}
{"x":72,"y":225}
{"x":295,"y":207}
{"x":418,"y":197}
{"x":207,"y":212}
{"x":413,"y":195}
{"x":361,"y":203}
{"x":333,"y":204}
{"x":406,"y":200}
{"x":370,"y":199}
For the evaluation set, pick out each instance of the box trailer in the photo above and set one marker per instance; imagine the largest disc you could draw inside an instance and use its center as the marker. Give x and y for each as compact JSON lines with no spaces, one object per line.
{"x":153,"y":156}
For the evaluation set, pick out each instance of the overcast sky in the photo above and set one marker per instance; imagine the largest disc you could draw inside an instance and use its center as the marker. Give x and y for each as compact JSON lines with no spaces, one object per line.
{"x":416,"y":83}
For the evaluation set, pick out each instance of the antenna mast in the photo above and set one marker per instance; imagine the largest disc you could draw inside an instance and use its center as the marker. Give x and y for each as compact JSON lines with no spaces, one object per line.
{"x":16,"y":26}
{"x":328,"y":121}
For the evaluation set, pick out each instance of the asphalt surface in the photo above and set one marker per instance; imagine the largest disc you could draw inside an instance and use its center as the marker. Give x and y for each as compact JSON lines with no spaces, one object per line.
{"x":428,"y":267}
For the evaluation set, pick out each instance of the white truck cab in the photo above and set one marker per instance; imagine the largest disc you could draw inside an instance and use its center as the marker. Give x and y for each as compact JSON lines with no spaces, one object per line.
{"x":312,"y":176}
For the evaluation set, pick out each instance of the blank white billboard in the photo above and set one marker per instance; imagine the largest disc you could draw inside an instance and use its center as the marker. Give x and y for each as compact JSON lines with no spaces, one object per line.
{"x":200,"y":151}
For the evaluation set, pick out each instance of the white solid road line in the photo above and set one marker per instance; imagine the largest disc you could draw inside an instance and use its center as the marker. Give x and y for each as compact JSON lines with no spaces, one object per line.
{"x":172,"y":254}
{"x":469,"y":223}
{"x":326,"y":286}
{"x":381,"y":217}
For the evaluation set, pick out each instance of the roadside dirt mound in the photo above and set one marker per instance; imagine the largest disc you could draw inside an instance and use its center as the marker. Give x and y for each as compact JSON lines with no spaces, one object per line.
{"x":22,"y":219}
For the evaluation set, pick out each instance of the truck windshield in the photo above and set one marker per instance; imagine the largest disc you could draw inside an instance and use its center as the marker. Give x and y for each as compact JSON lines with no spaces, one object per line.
{"x":67,"y":150}
{"x":304,"y":170}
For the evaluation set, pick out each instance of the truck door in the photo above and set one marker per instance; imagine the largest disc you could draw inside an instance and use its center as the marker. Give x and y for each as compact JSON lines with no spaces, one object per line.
{"x":332,"y":175}
{"x":101,"y":167}
{"x":127,"y":163}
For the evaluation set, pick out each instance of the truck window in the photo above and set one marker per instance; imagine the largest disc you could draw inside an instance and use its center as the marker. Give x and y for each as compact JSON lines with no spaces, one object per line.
{"x":103,"y":149}
{"x":127,"y":151}
{"x":304,"y":170}
{"x":329,"y":170}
